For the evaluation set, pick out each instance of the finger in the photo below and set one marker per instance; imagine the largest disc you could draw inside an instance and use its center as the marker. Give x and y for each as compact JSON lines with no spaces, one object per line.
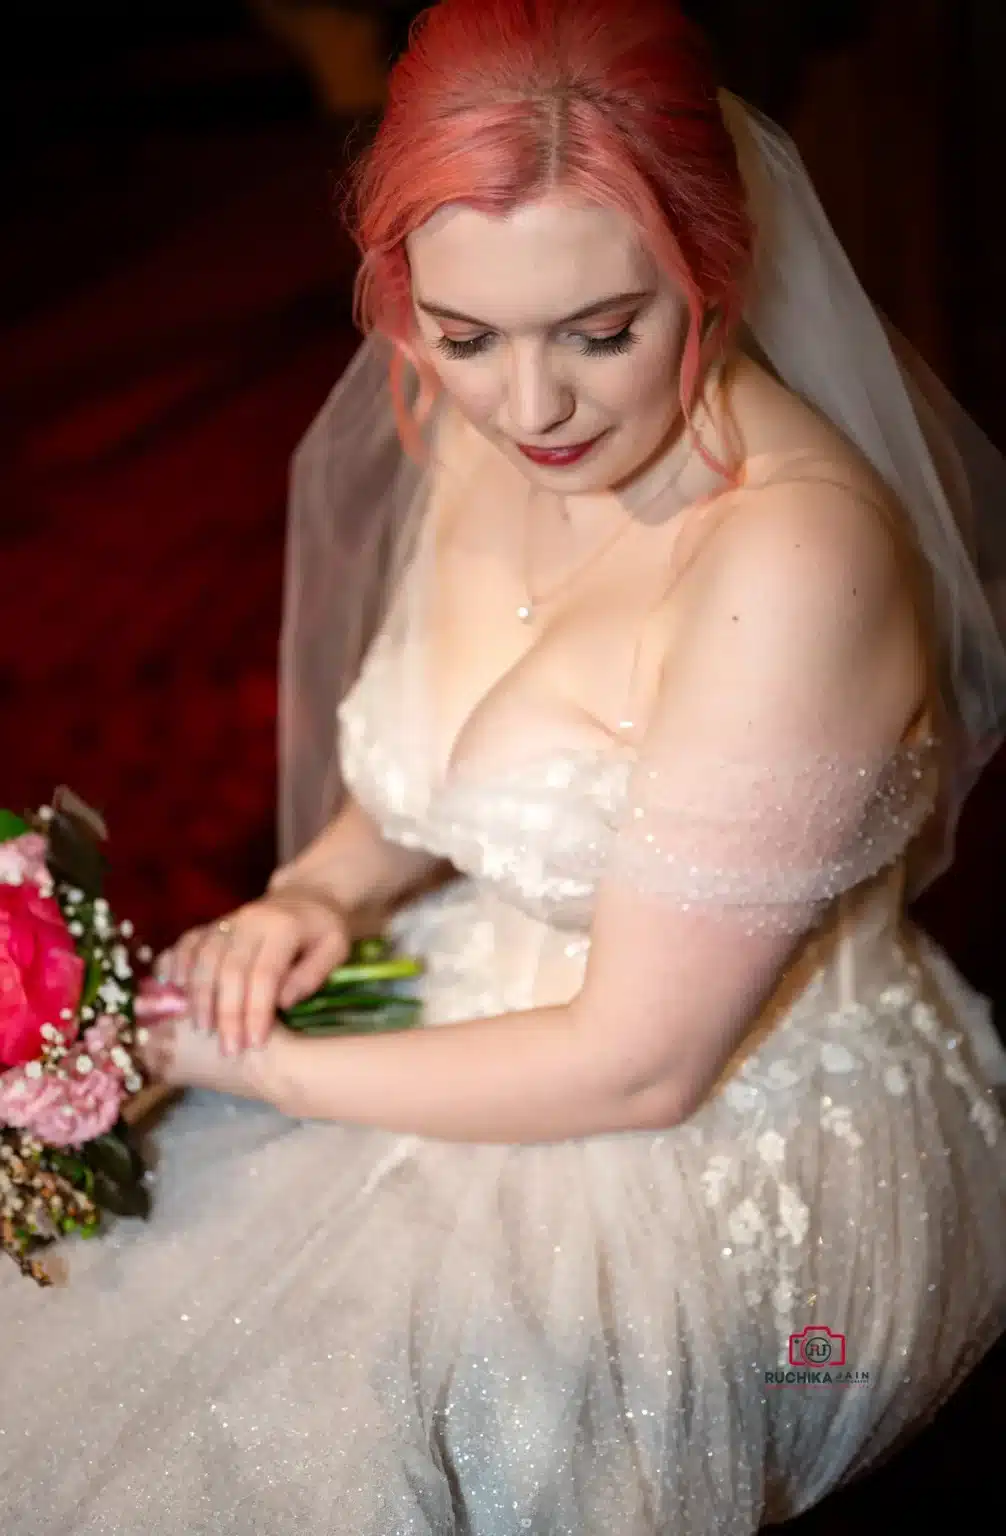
{"x":269,"y":973}
{"x":202,"y":978}
{"x":233,"y":976}
{"x":312,"y":968}
{"x":163,"y":968}
{"x":157,"y":1049}
{"x":181,"y":958}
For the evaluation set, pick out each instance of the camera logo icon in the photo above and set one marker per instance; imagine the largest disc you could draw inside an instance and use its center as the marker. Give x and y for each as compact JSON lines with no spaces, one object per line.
{"x":816,"y":1346}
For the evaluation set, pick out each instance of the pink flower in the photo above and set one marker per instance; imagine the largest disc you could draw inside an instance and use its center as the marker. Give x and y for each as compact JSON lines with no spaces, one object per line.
{"x":41,"y":974}
{"x":23,"y":858}
{"x":64,"y":1111}
{"x":99,"y":1038}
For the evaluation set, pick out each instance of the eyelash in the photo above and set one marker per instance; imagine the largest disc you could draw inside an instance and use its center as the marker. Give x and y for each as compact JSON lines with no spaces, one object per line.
{"x":590,"y":346}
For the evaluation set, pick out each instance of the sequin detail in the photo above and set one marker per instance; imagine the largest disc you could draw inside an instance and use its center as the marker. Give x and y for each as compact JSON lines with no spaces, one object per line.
{"x":770,"y":845}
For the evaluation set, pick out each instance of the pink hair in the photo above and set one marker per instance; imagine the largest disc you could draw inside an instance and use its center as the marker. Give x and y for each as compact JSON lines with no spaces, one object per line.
{"x":497,"y":102}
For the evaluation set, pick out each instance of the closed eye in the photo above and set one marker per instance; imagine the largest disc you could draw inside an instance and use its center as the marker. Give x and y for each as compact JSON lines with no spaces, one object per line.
{"x":608,"y":346}
{"x":459,"y":349}
{"x":589,"y":346}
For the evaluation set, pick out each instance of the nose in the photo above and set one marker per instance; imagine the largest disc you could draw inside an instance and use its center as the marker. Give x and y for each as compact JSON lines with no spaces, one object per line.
{"x":537,"y":399}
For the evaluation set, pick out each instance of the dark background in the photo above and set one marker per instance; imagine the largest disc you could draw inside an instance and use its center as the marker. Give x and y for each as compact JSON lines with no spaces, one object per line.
{"x":174,"y":305}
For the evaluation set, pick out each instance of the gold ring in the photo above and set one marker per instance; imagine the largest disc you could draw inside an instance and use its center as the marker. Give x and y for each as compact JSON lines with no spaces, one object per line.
{"x":224,"y":926}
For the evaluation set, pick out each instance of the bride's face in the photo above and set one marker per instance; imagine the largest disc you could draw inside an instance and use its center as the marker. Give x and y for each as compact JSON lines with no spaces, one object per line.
{"x":555,"y":334}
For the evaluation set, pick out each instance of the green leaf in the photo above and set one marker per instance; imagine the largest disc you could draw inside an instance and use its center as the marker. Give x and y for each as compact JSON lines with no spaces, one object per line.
{"x":73,"y":1169}
{"x":118,"y":1173}
{"x":115,"y":1157}
{"x":110,"y":1156}
{"x":74,"y":851}
{"x":93,"y":978}
{"x":121,"y":1199}
{"x":11,"y":826}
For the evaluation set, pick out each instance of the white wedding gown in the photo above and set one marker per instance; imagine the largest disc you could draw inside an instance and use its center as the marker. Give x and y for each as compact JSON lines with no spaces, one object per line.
{"x":326,"y":1331}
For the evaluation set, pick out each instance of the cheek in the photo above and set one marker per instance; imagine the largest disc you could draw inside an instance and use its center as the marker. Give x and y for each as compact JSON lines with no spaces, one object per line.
{"x":643,"y":387}
{"x":472,"y":386}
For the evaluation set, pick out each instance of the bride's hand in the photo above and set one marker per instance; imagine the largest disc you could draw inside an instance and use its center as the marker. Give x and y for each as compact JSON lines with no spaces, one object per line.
{"x":177,"y":1055}
{"x":266,"y":955}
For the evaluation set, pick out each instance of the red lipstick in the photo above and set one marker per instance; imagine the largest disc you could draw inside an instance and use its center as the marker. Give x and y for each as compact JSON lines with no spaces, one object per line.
{"x":558,"y":458}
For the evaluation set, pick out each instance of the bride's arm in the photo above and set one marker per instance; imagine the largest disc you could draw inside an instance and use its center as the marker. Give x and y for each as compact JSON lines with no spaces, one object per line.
{"x":355,"y":866}
{"x":798,"y":663}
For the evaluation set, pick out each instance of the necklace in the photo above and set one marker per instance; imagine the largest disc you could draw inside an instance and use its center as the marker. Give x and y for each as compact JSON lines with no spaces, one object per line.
{"x":527,"y":611}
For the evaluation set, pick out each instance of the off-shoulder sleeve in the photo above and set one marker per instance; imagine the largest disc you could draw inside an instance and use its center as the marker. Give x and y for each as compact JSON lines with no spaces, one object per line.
{"x":774,"y":774}
{"x":768,"y":844}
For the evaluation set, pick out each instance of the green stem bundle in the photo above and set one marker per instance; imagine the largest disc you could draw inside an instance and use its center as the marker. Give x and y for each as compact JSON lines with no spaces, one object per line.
{"x":363,"y":996}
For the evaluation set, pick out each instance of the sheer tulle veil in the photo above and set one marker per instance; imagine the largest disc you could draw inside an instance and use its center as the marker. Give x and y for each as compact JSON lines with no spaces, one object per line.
{"x":357,"y":497}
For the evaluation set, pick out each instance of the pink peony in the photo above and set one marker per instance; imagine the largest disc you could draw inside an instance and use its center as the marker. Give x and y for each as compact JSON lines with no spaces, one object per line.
{"x":63,"y":1111}
{"x":41,"y":973}
{"x":23,"y":858}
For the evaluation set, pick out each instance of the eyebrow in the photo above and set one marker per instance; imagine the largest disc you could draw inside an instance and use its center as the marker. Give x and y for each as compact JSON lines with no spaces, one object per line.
{"x":598,"y":307}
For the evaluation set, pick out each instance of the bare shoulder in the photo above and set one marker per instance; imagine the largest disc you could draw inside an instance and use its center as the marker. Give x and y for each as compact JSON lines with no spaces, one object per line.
{"x":774,"y":424}
{"x":811,"y":536}
{"x":802,"y":584}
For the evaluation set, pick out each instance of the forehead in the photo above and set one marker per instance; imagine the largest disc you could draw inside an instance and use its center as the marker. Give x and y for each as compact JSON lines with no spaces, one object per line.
{"x":545,"y":260}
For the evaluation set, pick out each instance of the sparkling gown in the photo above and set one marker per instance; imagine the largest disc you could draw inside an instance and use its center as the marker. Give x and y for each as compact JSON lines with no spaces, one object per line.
{"x":328,"y":1331}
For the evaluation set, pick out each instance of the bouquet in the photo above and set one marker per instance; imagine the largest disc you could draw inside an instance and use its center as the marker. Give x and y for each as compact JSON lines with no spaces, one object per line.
{"x":68,"y":1037}
{"x":73,"y":1000}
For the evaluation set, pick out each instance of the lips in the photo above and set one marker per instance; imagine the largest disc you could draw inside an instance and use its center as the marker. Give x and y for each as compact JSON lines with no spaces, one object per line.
{"x":557,"y":458}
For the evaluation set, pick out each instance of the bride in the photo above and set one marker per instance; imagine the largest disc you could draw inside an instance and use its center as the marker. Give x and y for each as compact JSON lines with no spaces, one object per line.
{"x":663,"y":670}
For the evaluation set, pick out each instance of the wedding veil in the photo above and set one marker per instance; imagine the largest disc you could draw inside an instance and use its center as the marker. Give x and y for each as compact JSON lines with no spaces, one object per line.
{"x":357,"y":497}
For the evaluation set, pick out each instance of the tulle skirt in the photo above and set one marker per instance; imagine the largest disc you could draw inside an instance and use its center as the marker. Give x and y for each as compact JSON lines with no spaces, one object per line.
{"x":338,"y":1331}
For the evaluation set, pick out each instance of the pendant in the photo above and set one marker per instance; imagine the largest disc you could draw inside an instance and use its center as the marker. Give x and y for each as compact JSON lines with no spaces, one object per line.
{"x":526,"y":613}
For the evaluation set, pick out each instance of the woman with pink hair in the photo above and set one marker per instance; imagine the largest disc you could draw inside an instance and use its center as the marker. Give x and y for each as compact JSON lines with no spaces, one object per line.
{"x":637,"y":660}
